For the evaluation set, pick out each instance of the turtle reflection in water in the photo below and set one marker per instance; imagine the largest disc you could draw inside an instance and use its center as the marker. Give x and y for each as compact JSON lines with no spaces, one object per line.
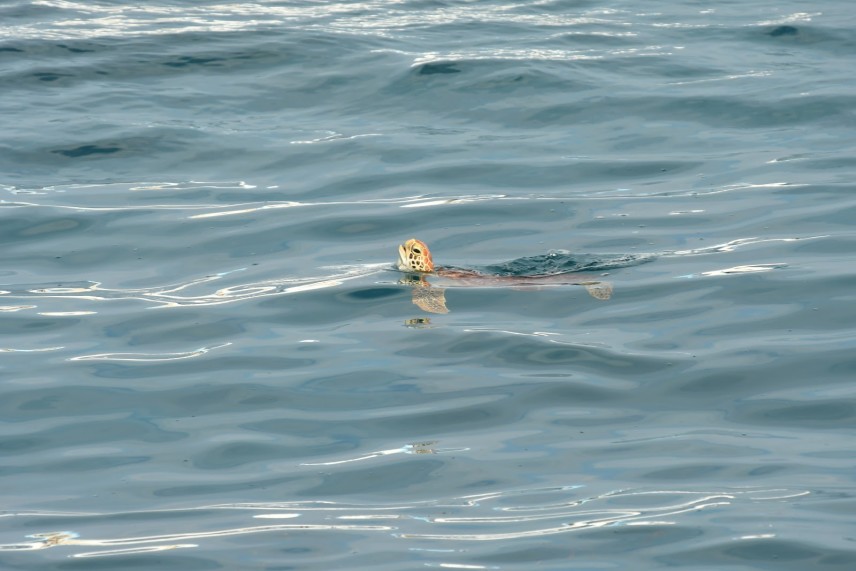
{"x":414,"y":257}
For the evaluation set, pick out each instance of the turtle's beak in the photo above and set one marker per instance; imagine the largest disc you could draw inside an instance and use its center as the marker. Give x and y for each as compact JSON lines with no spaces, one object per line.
{"x":402,"y":259}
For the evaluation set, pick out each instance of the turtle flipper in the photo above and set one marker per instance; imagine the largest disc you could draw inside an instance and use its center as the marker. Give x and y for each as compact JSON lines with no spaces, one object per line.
{"x":599,"y":290}
{"x":430,"y":299}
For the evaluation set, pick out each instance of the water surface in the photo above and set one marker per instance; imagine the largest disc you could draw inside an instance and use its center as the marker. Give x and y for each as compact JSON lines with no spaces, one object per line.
{"x":208,"y":360}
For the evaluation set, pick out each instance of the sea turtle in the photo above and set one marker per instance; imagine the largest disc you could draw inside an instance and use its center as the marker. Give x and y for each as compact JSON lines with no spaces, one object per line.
{"x":414,"y":257}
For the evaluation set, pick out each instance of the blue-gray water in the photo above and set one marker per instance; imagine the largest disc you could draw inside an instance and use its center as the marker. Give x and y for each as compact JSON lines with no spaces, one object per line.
{"x":207,"y":362}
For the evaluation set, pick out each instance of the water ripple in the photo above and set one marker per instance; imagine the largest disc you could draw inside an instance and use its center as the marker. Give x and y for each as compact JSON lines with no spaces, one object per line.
{"x":565,"y":510}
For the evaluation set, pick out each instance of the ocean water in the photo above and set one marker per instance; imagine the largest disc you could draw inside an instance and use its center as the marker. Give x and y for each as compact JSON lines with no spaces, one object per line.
{"x":209,"y":361}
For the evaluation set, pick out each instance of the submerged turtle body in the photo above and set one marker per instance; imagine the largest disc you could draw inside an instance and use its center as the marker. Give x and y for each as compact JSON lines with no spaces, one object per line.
{"x":414,"y":257}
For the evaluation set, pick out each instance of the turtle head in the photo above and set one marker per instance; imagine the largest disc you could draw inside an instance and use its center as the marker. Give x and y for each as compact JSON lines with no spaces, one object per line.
{"x":414,"y":256}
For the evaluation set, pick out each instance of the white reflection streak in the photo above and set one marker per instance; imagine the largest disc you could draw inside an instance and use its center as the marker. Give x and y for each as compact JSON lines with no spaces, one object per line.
{"x":137,"y":186}
{"x":622,"y":517}
{"x":791,"y":18}
{"x":134,"y":550}
{"x":456,"y":200}
{"x":21,"y":204}
{"x":190,"y":185}
{"x":420,"y":448}
{"x":369,"y":517}
{"x":546,"y":335}
{"x":271,"y":206}
{"x":405,"y":202}
{"x":745,"y":269}
{"x":535,"y":54}
{"x":378,"y":454}
{"x":10,"y":350}
{"x":148,"y":357}
{"x":70,"y":538}
{"x":744,"y":186}
{"x":12,"y":308}
{"x":713,"y":499}
{"x":783,"y":496}
{"x":66,"y":313}
{"x":760,"y":536}
{"x":254,"y":290}
{"x":333,"y":136}
{"x":680,"y":212}
{"x":724,"y":78}
{"x":168,"y":296}
{"x":734,"y":244}
{"x":507,"y":332}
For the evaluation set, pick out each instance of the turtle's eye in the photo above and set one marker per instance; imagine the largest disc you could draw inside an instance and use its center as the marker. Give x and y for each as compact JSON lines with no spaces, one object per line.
{"x":417,"y":250}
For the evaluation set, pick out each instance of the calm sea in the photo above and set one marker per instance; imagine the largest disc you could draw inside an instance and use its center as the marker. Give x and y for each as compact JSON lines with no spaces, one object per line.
{"x":208,"y":360}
